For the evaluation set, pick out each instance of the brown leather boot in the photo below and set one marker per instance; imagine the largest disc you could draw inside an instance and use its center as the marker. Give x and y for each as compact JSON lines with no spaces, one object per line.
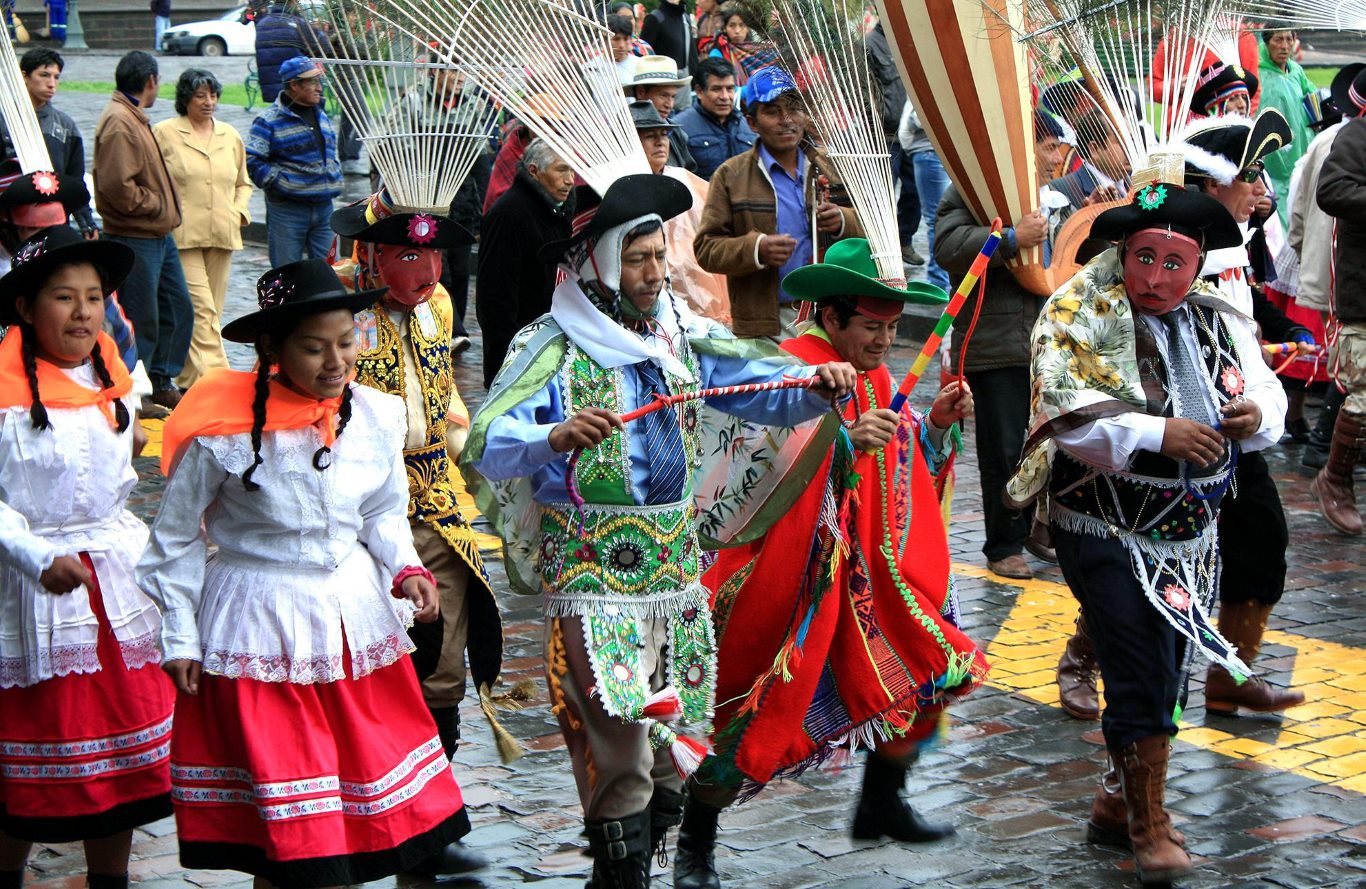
{"x":1109,"y":822}
{"x":1077,"y":673}
{"x":1143,"y":779}
{"x":1243,"y":623}
{"x":1332,"y":487}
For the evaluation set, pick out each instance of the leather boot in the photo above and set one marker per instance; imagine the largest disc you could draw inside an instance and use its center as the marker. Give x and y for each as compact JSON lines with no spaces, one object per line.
{"x":1321,"y":436}
{"x":621,"y":856}
{"x":1109,"y":822}
{"x":1143,"y":780}
{"x":1243,"y":623}
{"x":695,"y":861}
{"x":666,"y":811}
{"x":1077,"y":675}
{"x":1332,"y":487}
{"x":882,"y":812}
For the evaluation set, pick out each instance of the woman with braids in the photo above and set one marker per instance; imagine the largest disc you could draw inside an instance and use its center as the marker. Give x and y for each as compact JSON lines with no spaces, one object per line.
{"x":78,"y":640}
{"x":303,"y":754}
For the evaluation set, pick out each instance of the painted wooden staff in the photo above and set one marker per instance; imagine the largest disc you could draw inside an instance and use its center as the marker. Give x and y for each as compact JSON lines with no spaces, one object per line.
{"x":922,"y":361}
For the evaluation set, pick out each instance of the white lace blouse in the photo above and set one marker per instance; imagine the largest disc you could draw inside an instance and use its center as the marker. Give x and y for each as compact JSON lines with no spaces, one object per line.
{"x":302,"y":575}
{"x":62,"y":492}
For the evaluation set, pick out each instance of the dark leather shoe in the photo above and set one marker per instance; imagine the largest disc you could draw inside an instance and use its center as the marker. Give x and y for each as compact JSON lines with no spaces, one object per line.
{"x":456,"y":858}
{"x":882,"y":812}
{"x":1014,"y":567}
{"x":1077,"y":676}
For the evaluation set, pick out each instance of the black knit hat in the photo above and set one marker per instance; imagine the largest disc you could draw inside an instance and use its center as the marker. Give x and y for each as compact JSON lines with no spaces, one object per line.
{"x":294,"y":291}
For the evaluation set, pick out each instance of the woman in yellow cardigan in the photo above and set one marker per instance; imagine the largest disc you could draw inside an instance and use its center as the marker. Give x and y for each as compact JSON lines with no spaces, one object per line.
{"x":209,"y":164}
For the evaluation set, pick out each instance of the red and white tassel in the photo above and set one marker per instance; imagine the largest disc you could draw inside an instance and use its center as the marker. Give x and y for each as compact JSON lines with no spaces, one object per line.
{"x":664,"y":705}
{"x":687,"y":754}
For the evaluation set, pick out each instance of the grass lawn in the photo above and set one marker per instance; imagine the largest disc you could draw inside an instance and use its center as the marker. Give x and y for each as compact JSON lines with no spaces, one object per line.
{"x":1322,"y":76}
{"x":233,"y":93}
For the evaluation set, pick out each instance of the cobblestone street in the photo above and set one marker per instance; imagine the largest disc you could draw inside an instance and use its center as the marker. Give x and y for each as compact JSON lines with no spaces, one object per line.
{"x":1265,"y":801}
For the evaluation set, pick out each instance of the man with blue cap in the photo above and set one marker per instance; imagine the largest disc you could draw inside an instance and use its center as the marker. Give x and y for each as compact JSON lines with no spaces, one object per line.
{"x":292,"y":157}
{"x":773,"y":209}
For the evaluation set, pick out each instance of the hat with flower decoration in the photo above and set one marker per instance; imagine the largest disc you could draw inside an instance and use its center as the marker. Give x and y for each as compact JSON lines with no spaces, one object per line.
{"x":55,"y":246}
{"x":375,"y":221}
{"x":1159,"y":199}
{"x":294,"y":291}
{"x":40,"y":198}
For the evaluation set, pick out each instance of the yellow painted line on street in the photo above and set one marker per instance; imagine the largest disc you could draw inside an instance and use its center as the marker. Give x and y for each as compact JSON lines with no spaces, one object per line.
{"x":1324,"y":739}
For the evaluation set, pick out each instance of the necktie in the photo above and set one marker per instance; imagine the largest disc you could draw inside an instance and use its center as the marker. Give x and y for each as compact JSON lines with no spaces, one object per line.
{"x":1183,"y":376}
{"x":663,"y":443}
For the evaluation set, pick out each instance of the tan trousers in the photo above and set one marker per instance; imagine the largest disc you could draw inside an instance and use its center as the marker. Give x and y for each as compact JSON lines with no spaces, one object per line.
{"x":445,"y":687}
{"x":206,"y":275}
{"x":614,"y":767}
{"x":1349,"y":364}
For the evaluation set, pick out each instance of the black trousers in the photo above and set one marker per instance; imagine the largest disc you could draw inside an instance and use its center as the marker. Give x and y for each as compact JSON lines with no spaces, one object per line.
{"x":1253,"y":536}
{"x":1140,"y":655}
{"x":1002,"y":418}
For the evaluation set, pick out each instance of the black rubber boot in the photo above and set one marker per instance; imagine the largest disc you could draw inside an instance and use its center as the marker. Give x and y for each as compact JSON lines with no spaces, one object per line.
{"x":695,"y":862}
{"x":882,"y":812}
{"x":620,"y":850}
{"x":12,"y":879}
{"x":666,"y":812}
{"x":447,"y":721}
{"x":456,"y":858}
{"x":106,"y":881}
{"x":1321,"y":436}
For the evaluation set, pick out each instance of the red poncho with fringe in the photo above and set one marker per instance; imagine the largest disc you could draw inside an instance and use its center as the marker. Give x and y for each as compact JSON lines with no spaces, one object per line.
{"x":825,"y":641}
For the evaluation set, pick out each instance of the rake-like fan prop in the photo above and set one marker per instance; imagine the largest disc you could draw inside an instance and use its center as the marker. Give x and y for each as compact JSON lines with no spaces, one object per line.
{"x":551,"y":66}
{"x":821,"y":44}
{"x":1308,"y":15}
{"x":17,"y":109}
{"x":424,"y":122}
{"x":1109,"y":47}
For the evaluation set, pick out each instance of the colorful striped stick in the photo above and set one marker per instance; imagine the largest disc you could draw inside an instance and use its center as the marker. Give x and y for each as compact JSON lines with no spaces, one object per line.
{"x":922,"y":361}
{"x":663,"y":401}
{"x":1288,"y":348}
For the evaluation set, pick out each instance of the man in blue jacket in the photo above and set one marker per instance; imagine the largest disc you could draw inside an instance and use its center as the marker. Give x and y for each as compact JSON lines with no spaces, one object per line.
{"x":292,"y":157}
{"x":281,"y":35}
{"x":716,"y":129}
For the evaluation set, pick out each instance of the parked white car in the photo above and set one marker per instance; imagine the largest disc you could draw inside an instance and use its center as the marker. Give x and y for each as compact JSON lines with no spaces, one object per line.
{"x":225,"y":35}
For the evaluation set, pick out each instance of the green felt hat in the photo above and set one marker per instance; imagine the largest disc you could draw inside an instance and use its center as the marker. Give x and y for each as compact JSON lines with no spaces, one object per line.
{"x":849,"y":271}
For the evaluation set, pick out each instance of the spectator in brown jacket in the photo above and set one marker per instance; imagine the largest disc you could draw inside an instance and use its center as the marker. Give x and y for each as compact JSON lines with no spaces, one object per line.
{"x":763,"y":206}
{"x":137,"y":199}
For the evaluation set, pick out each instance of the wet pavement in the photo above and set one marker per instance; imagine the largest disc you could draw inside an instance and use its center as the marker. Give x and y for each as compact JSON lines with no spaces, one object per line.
{"x":1265,"y":801}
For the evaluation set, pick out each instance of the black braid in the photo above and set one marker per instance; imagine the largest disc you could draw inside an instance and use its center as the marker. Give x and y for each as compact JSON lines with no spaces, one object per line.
{"x":120,"y":409}
{"x":343,"y":416}
{"x":258,"y":413}
{"x":37,"y":413}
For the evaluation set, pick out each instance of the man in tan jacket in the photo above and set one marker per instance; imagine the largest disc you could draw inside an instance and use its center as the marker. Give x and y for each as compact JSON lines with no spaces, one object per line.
{"x":768,"y":212}
{"x":138,"y":202}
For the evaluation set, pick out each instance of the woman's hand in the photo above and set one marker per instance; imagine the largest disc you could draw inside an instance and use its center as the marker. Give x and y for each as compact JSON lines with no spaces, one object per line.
{"x":422,"y":593}
{"x":185,"y":674}
{"x":65,"y":575}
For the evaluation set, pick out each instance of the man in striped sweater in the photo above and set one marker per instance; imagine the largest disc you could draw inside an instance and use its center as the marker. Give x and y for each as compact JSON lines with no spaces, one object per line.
{"x":292,"y":157}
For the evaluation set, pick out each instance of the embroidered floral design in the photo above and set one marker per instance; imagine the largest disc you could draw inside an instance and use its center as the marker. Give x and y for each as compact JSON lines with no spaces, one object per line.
{"x":1150,"y":197}
{"x":422,"y":229}
{"x":1232,"y":378}
{"x":29,"y":252}
{"x":45,"y":182}
{"x":274,"y":293}
{"x":1177,"y":597}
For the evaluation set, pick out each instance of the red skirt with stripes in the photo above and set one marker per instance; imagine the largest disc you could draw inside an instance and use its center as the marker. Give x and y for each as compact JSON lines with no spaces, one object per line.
{"x":312,"y":785}
{"x":86,"y":755}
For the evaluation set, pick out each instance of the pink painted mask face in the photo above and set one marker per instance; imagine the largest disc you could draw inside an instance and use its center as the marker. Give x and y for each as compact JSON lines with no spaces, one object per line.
{"x":1159,"y":268}
{"x":410,"y":273}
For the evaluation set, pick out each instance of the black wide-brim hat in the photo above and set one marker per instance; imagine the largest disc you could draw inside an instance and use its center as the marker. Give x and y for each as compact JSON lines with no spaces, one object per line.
{"x":44,"y":187}
{"x":1221,"y":78}
{"x":422,"y":230}
{"x":1342,"y":85}
{"x":295,"y":291}
{"x":1241,"y":140}
{"x":49,"y":248}
{"x":1163,"y":204}
{"x":630,"y":197}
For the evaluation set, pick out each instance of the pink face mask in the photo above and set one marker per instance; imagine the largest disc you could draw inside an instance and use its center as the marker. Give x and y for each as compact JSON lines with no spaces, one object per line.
{"x":1159,"y":268}
{"x":410,"y":273}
